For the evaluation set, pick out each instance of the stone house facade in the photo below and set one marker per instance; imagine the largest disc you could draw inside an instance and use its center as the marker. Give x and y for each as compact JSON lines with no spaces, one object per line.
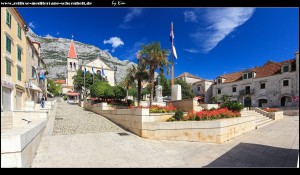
{"x":274,"y":84}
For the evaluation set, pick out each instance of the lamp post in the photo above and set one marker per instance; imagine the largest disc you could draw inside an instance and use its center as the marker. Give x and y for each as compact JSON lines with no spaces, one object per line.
{"x":115,"y":69}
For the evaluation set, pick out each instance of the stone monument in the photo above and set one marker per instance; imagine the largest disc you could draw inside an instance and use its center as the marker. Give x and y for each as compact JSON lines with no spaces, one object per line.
{"x":176,"y":92}
{"x":158,"y":91}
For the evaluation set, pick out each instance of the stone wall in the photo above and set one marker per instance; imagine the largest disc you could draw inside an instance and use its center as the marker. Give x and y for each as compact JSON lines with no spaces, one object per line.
{"x":152,"y":126}
{"x":215,"y":131}
{"x":18,"y":146}
{"x":187,"y":104}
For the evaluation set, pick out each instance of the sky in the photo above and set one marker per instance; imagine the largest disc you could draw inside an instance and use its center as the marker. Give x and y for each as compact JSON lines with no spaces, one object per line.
{"x":209,"y":41}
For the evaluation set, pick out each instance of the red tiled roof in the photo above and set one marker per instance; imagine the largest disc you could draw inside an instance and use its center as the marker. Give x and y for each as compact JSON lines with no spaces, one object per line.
{"x":268,"y":69}
{"x":60,"y":81}
{"x":72,"y":93}
{"x":72,"y":51}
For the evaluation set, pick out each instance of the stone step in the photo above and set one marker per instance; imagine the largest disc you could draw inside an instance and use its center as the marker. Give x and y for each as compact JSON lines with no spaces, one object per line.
{"x":267,"y":122}
{"x":257,"y":121}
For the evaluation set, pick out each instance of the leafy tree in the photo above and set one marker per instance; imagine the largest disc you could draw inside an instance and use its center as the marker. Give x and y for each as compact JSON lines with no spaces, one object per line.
{"x":78,"y":80}
{"x":155,"y":58}
{"x":99,"y":89}
{"x":186,"y":89}
{"x":119,"y":92}
{"x":214,"y":99}
{"x":132,"y":92}
{"x":53,"y":87}
{"x":224,"y":98}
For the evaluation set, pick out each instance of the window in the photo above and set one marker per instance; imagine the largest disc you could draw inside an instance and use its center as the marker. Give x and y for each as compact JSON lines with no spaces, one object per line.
{"x":219,"y":91}
{"x":33,"y":73}
{"x":8,"y":18}
{"x":234,"y":89}
{"x":262,"y":85}
{"x":70,"y":65}
{"x":250,"y":75}
{"x":245,"y":76}
{"x":39,"y":62}
{"x":8,"y":44}
{"x":74,"y":66}
{"x":286,"y":68}
{"x":247,"y":89}
{"x":198,"y":88}
{"x":219,"y":81}
{"x":19,"y":53}
{"x":285,"y":82}
{"x":19,"y":31}
{"x":19,"y":73}
{"x":32,"y":53}
{"x":8,"y":67}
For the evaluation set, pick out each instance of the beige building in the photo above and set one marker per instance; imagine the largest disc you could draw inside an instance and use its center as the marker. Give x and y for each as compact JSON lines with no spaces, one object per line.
{"x":189,"y":78}
{"x":13,"y":59}
{"x":274,"y":84}
{"x":35,"y":66}
{"x":203,"y":88}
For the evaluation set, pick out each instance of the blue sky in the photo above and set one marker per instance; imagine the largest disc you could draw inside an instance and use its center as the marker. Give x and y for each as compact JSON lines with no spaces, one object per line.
{"x":209,"y":41}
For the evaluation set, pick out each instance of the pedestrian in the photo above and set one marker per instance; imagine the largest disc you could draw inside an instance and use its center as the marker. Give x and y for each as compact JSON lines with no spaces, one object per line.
{"x":43,"y":102}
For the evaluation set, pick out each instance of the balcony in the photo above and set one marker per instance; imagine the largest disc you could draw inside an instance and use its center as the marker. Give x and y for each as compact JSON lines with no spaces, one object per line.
{"x":247,"y":92}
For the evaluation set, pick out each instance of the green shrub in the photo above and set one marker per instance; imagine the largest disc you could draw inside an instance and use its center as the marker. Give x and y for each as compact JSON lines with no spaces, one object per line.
{"x":65,"y":97}
{"x":232,"y":105}
{"x":178,"y":115}
{"x":171,"y":119}
{"x":130,"y":102}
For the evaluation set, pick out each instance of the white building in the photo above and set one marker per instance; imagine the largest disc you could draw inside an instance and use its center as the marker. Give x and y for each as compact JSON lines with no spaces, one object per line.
{"x":270,"y":85}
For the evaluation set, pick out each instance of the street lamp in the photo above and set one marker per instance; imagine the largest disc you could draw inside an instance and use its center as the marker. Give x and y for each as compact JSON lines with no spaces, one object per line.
{"x":115,"y":69}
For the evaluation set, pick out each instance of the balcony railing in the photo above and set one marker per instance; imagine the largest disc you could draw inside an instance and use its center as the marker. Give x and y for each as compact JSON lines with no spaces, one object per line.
{"x":247,"y":92}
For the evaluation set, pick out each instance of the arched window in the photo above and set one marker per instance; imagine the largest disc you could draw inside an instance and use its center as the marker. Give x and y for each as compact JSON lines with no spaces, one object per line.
{"x":75,"y":66}
{"x":70,"y":65}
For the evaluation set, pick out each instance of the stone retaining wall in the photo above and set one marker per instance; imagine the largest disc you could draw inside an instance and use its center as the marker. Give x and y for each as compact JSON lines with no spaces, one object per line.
{"x":153,"y":126}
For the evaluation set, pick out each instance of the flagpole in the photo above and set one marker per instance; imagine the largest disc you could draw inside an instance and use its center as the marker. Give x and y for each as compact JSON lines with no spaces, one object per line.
{"x":84,"y":84}
{"x":172,"y":65}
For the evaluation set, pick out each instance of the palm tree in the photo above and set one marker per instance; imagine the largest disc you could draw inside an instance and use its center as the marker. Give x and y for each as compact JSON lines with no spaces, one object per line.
{"x":155,"y":58}
{"x":129,"y":79}
{"x":141,"y":74}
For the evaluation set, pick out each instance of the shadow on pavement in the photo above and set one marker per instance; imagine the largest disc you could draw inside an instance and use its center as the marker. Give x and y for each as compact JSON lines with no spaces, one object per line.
{"x":255,"y":155}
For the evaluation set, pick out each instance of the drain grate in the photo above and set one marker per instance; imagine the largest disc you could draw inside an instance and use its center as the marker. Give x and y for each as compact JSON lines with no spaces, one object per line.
{"x":123,"y":134}
{"x":58,"y":118}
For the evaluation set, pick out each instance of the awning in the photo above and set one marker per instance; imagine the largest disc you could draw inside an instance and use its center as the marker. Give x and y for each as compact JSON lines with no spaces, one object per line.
{"x":35,"y":87}
{"x":72,"y":93}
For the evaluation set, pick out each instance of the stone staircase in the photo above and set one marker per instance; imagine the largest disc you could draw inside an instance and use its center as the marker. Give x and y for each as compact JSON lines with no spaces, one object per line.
{"x":260,"y":121}
{"x":6,"y":120}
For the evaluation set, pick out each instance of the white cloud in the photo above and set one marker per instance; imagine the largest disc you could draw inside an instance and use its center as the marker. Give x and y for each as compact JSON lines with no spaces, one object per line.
{"x":220,"y":22}
{"x":115,"y":42}
{"x":31,"y":25}
{"x":48,"y":36}
{"x":192,"y":50}
{"x":57,"y":33}
{"x":134,"y":12}
{"x":190,"y":16}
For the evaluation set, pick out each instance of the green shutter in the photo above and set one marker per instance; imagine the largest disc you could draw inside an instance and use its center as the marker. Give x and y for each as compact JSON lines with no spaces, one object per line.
{"x":8,"y":44}
{"x":32,"y":53}
{"x":8,"y":67}
{"x":19,"y":31}
{"x":8,"y":18}
{"x":19,"y":74}
{"x":19,"y":54}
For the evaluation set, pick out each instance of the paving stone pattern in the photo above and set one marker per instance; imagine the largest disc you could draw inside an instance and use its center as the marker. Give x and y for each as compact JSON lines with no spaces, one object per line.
{"x":86,"y":145}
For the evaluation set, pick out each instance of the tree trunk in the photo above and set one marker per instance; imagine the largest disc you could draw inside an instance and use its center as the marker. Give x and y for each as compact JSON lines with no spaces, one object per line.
{"x":139,"y":91}
{"x":151,"y":84}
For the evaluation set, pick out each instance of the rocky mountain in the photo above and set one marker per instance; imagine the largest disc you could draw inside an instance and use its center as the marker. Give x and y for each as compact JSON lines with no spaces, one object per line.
{"x":55,"y":51}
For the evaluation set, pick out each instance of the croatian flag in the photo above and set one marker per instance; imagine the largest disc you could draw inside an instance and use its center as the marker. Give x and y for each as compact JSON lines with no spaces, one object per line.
{"x":172,"y":41}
